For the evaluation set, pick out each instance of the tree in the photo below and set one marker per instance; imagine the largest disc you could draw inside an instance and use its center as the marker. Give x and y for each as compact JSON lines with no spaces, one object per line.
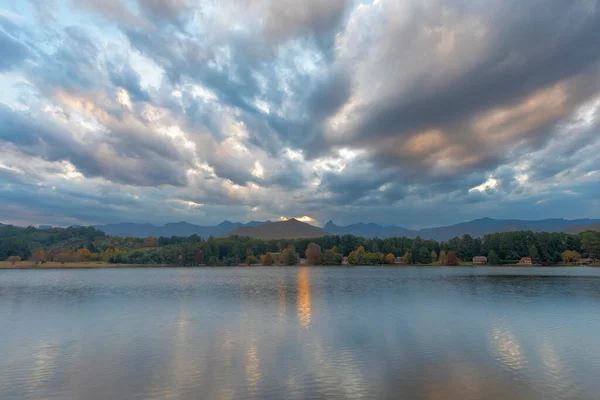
{"x":150,"y":241}
{"x":451,"y":259}
{"x":313,"y":254}
{"x":361,"y":253}
{"x":332,"y":257}
{"x":13,"y":259}
{"x":443,"y":258}
{"x":590,"y":244}
{"x":267,"y":259}
{"x":424,"y":255}
{"x":288,"y":257}
{"x":38,"y":256}
{"x":250,"y":260}
{"x":199,"y":256}
{"x":390,"y":259}
{"x":533,"y":253}
{"x":408,"y":257}
{"x":493,"y":258}
{"x":354,"y":258}
{"x":570,"y":256}
{"x":434,"y":256}
{"x":84,"y":254}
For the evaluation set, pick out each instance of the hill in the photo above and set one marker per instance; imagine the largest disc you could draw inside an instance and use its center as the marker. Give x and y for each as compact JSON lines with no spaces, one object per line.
{"x":290,"y":229}
{"x":583,"y":228}
{"x":476,"y":228}
{"x":131,"y":229}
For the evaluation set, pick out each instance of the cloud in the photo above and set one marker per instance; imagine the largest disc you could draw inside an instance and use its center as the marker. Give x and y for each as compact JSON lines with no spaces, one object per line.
{"x":400,"y":112}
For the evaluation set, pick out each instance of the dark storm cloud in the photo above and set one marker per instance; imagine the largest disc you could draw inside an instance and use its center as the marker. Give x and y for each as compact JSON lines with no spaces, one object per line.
{"x":529,"y":47}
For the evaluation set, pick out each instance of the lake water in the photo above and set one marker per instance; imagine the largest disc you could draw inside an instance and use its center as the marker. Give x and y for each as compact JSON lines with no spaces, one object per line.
{"x":300,"y":333}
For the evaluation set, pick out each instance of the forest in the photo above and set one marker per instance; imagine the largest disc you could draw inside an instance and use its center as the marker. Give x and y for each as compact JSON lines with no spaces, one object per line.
{"x":79,"y":244}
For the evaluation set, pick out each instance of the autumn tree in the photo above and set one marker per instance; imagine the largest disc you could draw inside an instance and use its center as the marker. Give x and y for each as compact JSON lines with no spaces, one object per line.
{"x":390,"y":259}
{"x":150,"y":241}
{"x":570,"y":256}
{"x":434,"y":256}
{"x":451,"y":258}
{"x":288,"y":257}
{"x":267,"y":259}
{"x":84,"y":254}
{"x":443,"y":258}
{"x":251,"y":260}
{"x":13,"y":259}
{"x":38,"y":256}
{"x":313,"y":254}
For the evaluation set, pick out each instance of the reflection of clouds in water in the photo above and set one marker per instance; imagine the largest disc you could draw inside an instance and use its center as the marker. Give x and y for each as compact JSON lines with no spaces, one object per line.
{"x":556,"y":375}
{"x":507,"y":348}
{"x":304,"y":305}
{"x":44,"y":365}
{"x":253,"y":374}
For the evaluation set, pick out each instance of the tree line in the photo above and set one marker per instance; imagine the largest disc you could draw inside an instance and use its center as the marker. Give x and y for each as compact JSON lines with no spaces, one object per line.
{"x":88,"y":244}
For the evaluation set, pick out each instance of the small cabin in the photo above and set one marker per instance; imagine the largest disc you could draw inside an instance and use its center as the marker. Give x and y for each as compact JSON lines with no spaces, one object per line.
{"x":399,"y":260}
{"x":479,"y":260}
{"x":525,"y":261}
{"x":345,"y":261}
{"x":586,"y":261}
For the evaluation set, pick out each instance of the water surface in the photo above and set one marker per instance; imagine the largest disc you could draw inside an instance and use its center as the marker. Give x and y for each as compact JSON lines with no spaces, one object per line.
{"x":300,"y":333}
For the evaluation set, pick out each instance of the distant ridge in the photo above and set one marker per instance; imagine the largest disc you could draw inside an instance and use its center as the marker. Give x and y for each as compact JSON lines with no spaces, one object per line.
{"x":476,"y":228}
{"x":173,"y":229}
{"x":583,"y":228}
{"x":290,"y":229}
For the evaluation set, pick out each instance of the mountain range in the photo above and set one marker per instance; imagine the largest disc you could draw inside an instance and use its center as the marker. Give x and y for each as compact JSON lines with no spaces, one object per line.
{"x":475,"y":228}
{"x":174,"y":229}
{"x":290,"y":229}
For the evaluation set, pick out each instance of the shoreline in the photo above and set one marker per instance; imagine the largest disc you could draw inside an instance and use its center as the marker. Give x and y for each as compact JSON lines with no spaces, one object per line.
{"x":96,"y":265}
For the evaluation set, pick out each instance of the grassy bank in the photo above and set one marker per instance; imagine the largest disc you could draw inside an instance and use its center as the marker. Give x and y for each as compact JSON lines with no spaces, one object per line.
{"x":55,"y":265}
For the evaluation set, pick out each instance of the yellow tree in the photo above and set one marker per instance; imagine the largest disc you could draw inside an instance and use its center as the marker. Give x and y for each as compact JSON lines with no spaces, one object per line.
{"x":84,"y":254}
{"x":390,"y":259}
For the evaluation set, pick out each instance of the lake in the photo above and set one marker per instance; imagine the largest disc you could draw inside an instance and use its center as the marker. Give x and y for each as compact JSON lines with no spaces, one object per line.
{"x":300,"y":333}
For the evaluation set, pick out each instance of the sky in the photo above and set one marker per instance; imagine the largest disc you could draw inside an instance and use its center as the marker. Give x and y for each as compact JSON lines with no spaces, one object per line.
{"x":414,"y":113}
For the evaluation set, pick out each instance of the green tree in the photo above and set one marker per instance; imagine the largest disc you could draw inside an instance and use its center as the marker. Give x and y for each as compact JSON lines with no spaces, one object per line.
{"x":493,"y":258}
{"x":424,"y":255}
{"x":533,"y":253}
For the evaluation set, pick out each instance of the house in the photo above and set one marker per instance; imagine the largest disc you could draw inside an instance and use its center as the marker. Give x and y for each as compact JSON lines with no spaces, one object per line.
{"x":345,"y":261}
{"x":525,"y":261}
{"x":479,"y":260}
{"x":399,"y":260}
{"x":586,"y":261}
